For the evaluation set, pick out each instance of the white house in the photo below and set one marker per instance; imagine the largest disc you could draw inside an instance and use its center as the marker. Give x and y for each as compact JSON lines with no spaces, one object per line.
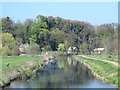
{"x":99,"y":50}
{"x":72,"y":50}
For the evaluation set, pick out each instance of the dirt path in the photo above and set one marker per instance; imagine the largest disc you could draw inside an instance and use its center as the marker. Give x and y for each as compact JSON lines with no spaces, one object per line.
{"x":112,"y":62}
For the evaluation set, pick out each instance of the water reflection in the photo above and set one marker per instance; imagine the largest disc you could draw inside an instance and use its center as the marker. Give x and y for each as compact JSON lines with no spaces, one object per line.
{"x":65,"y":73}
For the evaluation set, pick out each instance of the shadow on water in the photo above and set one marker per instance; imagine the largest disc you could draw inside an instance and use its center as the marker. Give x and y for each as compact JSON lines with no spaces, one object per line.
{"x":65,"y":72}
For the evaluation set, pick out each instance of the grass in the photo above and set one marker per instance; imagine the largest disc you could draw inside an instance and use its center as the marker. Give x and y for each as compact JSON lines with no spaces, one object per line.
{"x":106,"y":57}
{"x":15,"y":63}
{"x":106,"y":71}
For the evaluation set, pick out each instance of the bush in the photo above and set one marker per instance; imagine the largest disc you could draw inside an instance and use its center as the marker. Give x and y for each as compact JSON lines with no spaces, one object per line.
{"x":33,"y":48}
{"x":109,"y":56}
{"x":47,"y":48}
{"x":6,"y":51}
{"x":61,"y":47}
{"x":9,"y":44}
{"x":15,"y":50}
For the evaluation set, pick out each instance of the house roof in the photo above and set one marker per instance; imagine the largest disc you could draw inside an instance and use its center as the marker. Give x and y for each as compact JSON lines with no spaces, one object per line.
{"x":99,"y":49}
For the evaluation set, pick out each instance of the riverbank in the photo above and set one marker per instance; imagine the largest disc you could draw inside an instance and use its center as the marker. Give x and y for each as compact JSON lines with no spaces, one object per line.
{"x":104,"y":71}
{"x":18,"y":67}
{"x":25,"y":66}
{"x":107,"y":57}
{"x":100,"y":59}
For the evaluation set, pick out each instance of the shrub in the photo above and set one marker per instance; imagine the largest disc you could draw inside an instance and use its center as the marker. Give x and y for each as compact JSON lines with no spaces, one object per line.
{"x":6,"y":51}
{"x":61,"y":47}
{"x":33,"y":48}
{"x":47,"y":48}
{"x":15,"y":50}
{"x":8,"y":44}
{"x":109,"y":56}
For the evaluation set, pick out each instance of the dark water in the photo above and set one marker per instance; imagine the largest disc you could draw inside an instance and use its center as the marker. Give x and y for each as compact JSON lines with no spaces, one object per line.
{"x":66,"y":73}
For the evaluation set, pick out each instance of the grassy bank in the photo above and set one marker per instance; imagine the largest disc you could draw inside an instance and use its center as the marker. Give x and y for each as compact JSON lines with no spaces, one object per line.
{"x":14,"y":65}
{"x":102,"y":70}
{"x":105,"y":57}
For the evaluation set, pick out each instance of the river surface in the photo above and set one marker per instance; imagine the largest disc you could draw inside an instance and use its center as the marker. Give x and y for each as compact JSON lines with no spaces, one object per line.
{"x":66,"y":73}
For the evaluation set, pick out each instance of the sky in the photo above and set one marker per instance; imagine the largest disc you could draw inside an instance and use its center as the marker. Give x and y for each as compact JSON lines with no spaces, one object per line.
{"x":95,"y":13}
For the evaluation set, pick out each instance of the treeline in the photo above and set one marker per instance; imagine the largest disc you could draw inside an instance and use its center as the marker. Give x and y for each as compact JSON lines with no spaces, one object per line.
{"x":50,"y":33}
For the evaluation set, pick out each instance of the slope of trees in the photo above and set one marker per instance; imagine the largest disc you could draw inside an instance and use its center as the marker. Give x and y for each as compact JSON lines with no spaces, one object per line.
{"x":51,"y":32}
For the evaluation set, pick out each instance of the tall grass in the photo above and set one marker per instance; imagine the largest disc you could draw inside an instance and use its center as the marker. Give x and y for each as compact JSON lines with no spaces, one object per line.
{"x":106,"y":57}
{"x":106,"y":71}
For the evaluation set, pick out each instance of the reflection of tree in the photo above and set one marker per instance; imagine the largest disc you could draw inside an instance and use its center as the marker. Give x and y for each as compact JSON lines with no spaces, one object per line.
{"x":72,"y":73}
{"x":63,"y":63}
{"x":69,"y":60}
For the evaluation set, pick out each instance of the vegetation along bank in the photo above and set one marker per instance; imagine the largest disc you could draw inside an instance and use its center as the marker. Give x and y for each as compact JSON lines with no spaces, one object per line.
{"x":19,"y":67}
{"x":102,"y":70}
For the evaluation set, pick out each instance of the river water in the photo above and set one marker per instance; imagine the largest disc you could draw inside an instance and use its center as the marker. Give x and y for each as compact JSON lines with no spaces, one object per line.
{"x":66,"y":73}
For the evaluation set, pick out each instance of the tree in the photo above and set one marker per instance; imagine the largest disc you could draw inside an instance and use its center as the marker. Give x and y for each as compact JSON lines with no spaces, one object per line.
{"x":56,"y":37}
{"x":49,"y":32}
{"x":66,"y":45}
{"x":23,"y":31}
{"x":19,"y":33}
{"x":7,"y":25}
{"x":59,"y":23}
{"x":27,"y":27}
{"x":51,"y":22}
{"x":6,"y":51}
{"x":8,"y":43}
{"x":106,"y":33}
{"x":61,"y":47}
{"x":40,"y":34}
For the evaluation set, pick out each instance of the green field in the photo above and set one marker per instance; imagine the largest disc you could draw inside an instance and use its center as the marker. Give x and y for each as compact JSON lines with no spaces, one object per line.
{"x":11,"y":64}
{"x":105,"y":71}
{"x":105,"y":57}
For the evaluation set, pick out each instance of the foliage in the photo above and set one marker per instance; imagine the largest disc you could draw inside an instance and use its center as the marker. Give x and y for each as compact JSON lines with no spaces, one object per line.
{"x":106,"y":71}
{"x":49,"y":32}
{"x":40,"y":34}
{"x":57,"y":35}
{"x":7,"y":25}
{"x":15,"y":50}
{"x":8,"y":44}
{"x":33,"y":48}
{"x":5,"y":51}
{"x":61,"y":47}
{"x":66,"y":45}
{"x":47,"y":48}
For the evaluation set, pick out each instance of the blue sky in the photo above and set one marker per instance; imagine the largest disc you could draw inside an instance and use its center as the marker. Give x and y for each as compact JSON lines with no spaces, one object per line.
{"x":93,"y":12}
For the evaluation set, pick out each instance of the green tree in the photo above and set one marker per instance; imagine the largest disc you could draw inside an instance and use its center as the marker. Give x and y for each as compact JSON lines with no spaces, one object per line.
{"x":5,"y":51}
{"x":51,"y":22}
{"x":8,"y":43}
{"x":106,"y":33}
{"x":40,"y":34}
{"x":19,"y":32}
{"x":7,"y":25}
{"x":56,"y":37}
{"x":27,"y":30}
{"x":66,"y":45}
{"x":61,"y":47}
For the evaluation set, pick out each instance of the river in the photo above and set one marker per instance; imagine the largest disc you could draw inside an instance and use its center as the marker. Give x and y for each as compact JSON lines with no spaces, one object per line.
{"x":65,"y":73}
